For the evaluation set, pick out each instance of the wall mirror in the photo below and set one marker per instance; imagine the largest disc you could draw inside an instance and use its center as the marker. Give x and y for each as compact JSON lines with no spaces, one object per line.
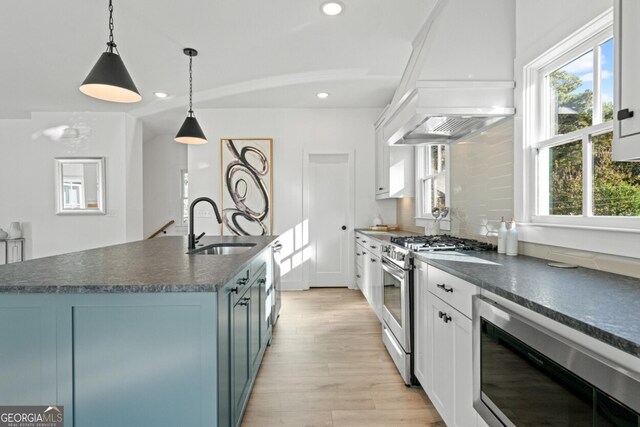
{"x":80,"y":186}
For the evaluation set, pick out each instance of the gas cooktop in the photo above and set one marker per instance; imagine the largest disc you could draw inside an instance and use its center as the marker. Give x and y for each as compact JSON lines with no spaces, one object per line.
{"x":443,"y":242}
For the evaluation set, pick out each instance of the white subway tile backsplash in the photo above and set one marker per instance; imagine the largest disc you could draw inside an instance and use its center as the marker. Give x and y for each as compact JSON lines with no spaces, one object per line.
{"x":482,"y":179}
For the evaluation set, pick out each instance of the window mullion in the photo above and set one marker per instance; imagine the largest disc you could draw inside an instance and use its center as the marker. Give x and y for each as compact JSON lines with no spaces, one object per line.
{"x":597,"y":96}
{"x":542,"y":182}
{"x":587,"y":176}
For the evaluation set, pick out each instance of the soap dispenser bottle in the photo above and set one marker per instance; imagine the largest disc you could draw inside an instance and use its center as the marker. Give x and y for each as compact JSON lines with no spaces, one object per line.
{"x":512,"y":239}
{"x":502,"y":236}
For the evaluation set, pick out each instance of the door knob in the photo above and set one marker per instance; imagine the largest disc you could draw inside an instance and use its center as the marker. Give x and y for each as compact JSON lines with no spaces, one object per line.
{"x":344,"y":227}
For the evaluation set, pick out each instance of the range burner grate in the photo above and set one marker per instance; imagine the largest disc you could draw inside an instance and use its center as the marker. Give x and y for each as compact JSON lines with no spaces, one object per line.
{"x":443,"y":242}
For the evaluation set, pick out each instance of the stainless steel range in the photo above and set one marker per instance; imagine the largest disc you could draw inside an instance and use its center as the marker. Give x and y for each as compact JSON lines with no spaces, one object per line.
{"x":397,"y":280}
{"x":397,"y":312}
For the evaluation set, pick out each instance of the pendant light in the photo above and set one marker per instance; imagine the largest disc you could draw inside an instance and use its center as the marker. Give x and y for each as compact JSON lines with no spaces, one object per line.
{"x":109,"y":79}
{"x":191,"y":132}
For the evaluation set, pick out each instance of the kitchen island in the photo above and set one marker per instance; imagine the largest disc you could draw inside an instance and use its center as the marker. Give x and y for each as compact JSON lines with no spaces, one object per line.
{"x":138,"y":334}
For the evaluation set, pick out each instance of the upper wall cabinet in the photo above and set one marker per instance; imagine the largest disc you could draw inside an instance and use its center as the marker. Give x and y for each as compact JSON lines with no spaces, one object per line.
{"x":394,"y":167}
{"x":626,"y":145}
{"x":382,"y":159}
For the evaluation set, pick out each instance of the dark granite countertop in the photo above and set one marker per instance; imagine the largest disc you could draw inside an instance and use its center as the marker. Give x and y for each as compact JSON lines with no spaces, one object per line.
{"x":157,"y":265}
{"x":603,"y":305}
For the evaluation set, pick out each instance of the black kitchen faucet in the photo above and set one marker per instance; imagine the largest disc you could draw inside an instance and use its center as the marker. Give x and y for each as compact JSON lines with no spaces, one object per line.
{"x":192,"y":235}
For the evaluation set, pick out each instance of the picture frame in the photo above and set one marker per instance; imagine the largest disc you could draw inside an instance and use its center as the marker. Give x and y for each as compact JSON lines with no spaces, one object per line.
{"x":80,"y":186}
{"x":246,"y":186}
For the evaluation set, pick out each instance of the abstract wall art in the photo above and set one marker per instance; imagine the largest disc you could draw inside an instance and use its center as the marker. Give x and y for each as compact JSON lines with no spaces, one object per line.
{"x":246,"y":186}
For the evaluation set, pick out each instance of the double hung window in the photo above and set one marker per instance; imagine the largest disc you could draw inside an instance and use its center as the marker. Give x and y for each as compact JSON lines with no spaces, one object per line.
{"x":432,"y":179}
{"x":576,"y":181}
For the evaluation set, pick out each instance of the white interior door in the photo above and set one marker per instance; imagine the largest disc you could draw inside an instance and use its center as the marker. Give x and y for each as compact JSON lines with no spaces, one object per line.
{"x":329,"y":202}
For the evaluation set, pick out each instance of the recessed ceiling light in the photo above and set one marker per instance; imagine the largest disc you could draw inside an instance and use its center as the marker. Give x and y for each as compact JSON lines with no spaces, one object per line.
{"x":322,"y":95}
{"x":160,"y":94}
{"x":332,"y":8}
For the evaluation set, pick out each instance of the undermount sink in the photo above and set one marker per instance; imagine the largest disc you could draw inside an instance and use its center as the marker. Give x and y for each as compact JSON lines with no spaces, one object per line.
{"x":223,"y":249}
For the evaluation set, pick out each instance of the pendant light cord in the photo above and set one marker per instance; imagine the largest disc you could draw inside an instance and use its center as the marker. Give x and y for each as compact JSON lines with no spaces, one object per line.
{"x":111,"y":44}
{"x":190,"y":86}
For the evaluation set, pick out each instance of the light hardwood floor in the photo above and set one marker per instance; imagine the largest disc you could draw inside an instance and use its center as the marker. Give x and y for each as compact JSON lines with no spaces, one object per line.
{"x":327,"y":366}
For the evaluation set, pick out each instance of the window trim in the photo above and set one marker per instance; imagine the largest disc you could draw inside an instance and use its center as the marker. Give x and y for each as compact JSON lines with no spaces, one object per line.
{"x":183,"y":197}
{"x":422,"y":155}
{"x":535,"y":120}
{"x":621,"y":240}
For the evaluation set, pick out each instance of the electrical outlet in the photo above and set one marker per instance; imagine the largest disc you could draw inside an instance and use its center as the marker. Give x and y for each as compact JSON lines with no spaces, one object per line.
{"x":205,"y":214}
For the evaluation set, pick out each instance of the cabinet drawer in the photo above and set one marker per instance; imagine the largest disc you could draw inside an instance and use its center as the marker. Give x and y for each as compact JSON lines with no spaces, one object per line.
{"x":451,"y":289}
{"x":240,"y":285}
{"x":258,"y":264}
{"x":359,"y":276}
{"x":360,"y":254}
{"x":363,"y":240}
{"x":375,"y":247}
{"x":257,"y":269}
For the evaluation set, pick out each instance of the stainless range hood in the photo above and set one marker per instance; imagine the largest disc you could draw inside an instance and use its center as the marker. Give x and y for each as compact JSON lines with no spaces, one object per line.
{"x":439,"y":129}
{"x":441,"y":112}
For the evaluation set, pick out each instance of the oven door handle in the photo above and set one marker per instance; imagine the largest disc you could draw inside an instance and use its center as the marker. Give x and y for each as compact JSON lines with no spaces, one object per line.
{"x":390,"y":268}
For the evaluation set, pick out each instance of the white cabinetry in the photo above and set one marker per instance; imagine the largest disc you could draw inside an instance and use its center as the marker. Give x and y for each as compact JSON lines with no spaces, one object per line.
{"x":382,"y":165}
{"x":626,"y":145}
{"x":360,"y":268}
{"x":451,"y":363}
{"x":443,"y":360}
{"x":374,"y":276}
{"x":421,"y":296}
{"x":394,"y":166}
{"x":369,"y":268}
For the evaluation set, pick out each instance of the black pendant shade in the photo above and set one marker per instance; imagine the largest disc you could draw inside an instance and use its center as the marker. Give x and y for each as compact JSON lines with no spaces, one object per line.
{"x":109,"y":80}
{"x":191,"y":132}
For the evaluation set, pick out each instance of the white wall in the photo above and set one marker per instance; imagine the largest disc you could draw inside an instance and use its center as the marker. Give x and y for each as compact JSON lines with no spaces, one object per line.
{"x":293,"y":131}
{"x":133,"y":178}
{"x":541,"y":24}
{"x":163,"y":160}
{"x":28,"y":191}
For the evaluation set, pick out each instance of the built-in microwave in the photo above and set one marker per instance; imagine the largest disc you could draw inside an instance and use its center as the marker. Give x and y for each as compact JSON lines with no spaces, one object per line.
{"x":525,"y":375}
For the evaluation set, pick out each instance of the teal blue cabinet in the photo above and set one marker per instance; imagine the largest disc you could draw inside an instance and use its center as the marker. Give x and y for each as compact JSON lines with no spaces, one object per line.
{"x":138,"y":365}
{"x":241,"y":368}
{"x":241,"y":308}
{"x":27,"y":350}
{"x":127,"y":360}
{"x":225,"y":310}
{"x":257,"y":308}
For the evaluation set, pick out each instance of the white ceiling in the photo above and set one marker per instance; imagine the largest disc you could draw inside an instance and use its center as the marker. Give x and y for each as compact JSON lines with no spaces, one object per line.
{"x":253,"y":53}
